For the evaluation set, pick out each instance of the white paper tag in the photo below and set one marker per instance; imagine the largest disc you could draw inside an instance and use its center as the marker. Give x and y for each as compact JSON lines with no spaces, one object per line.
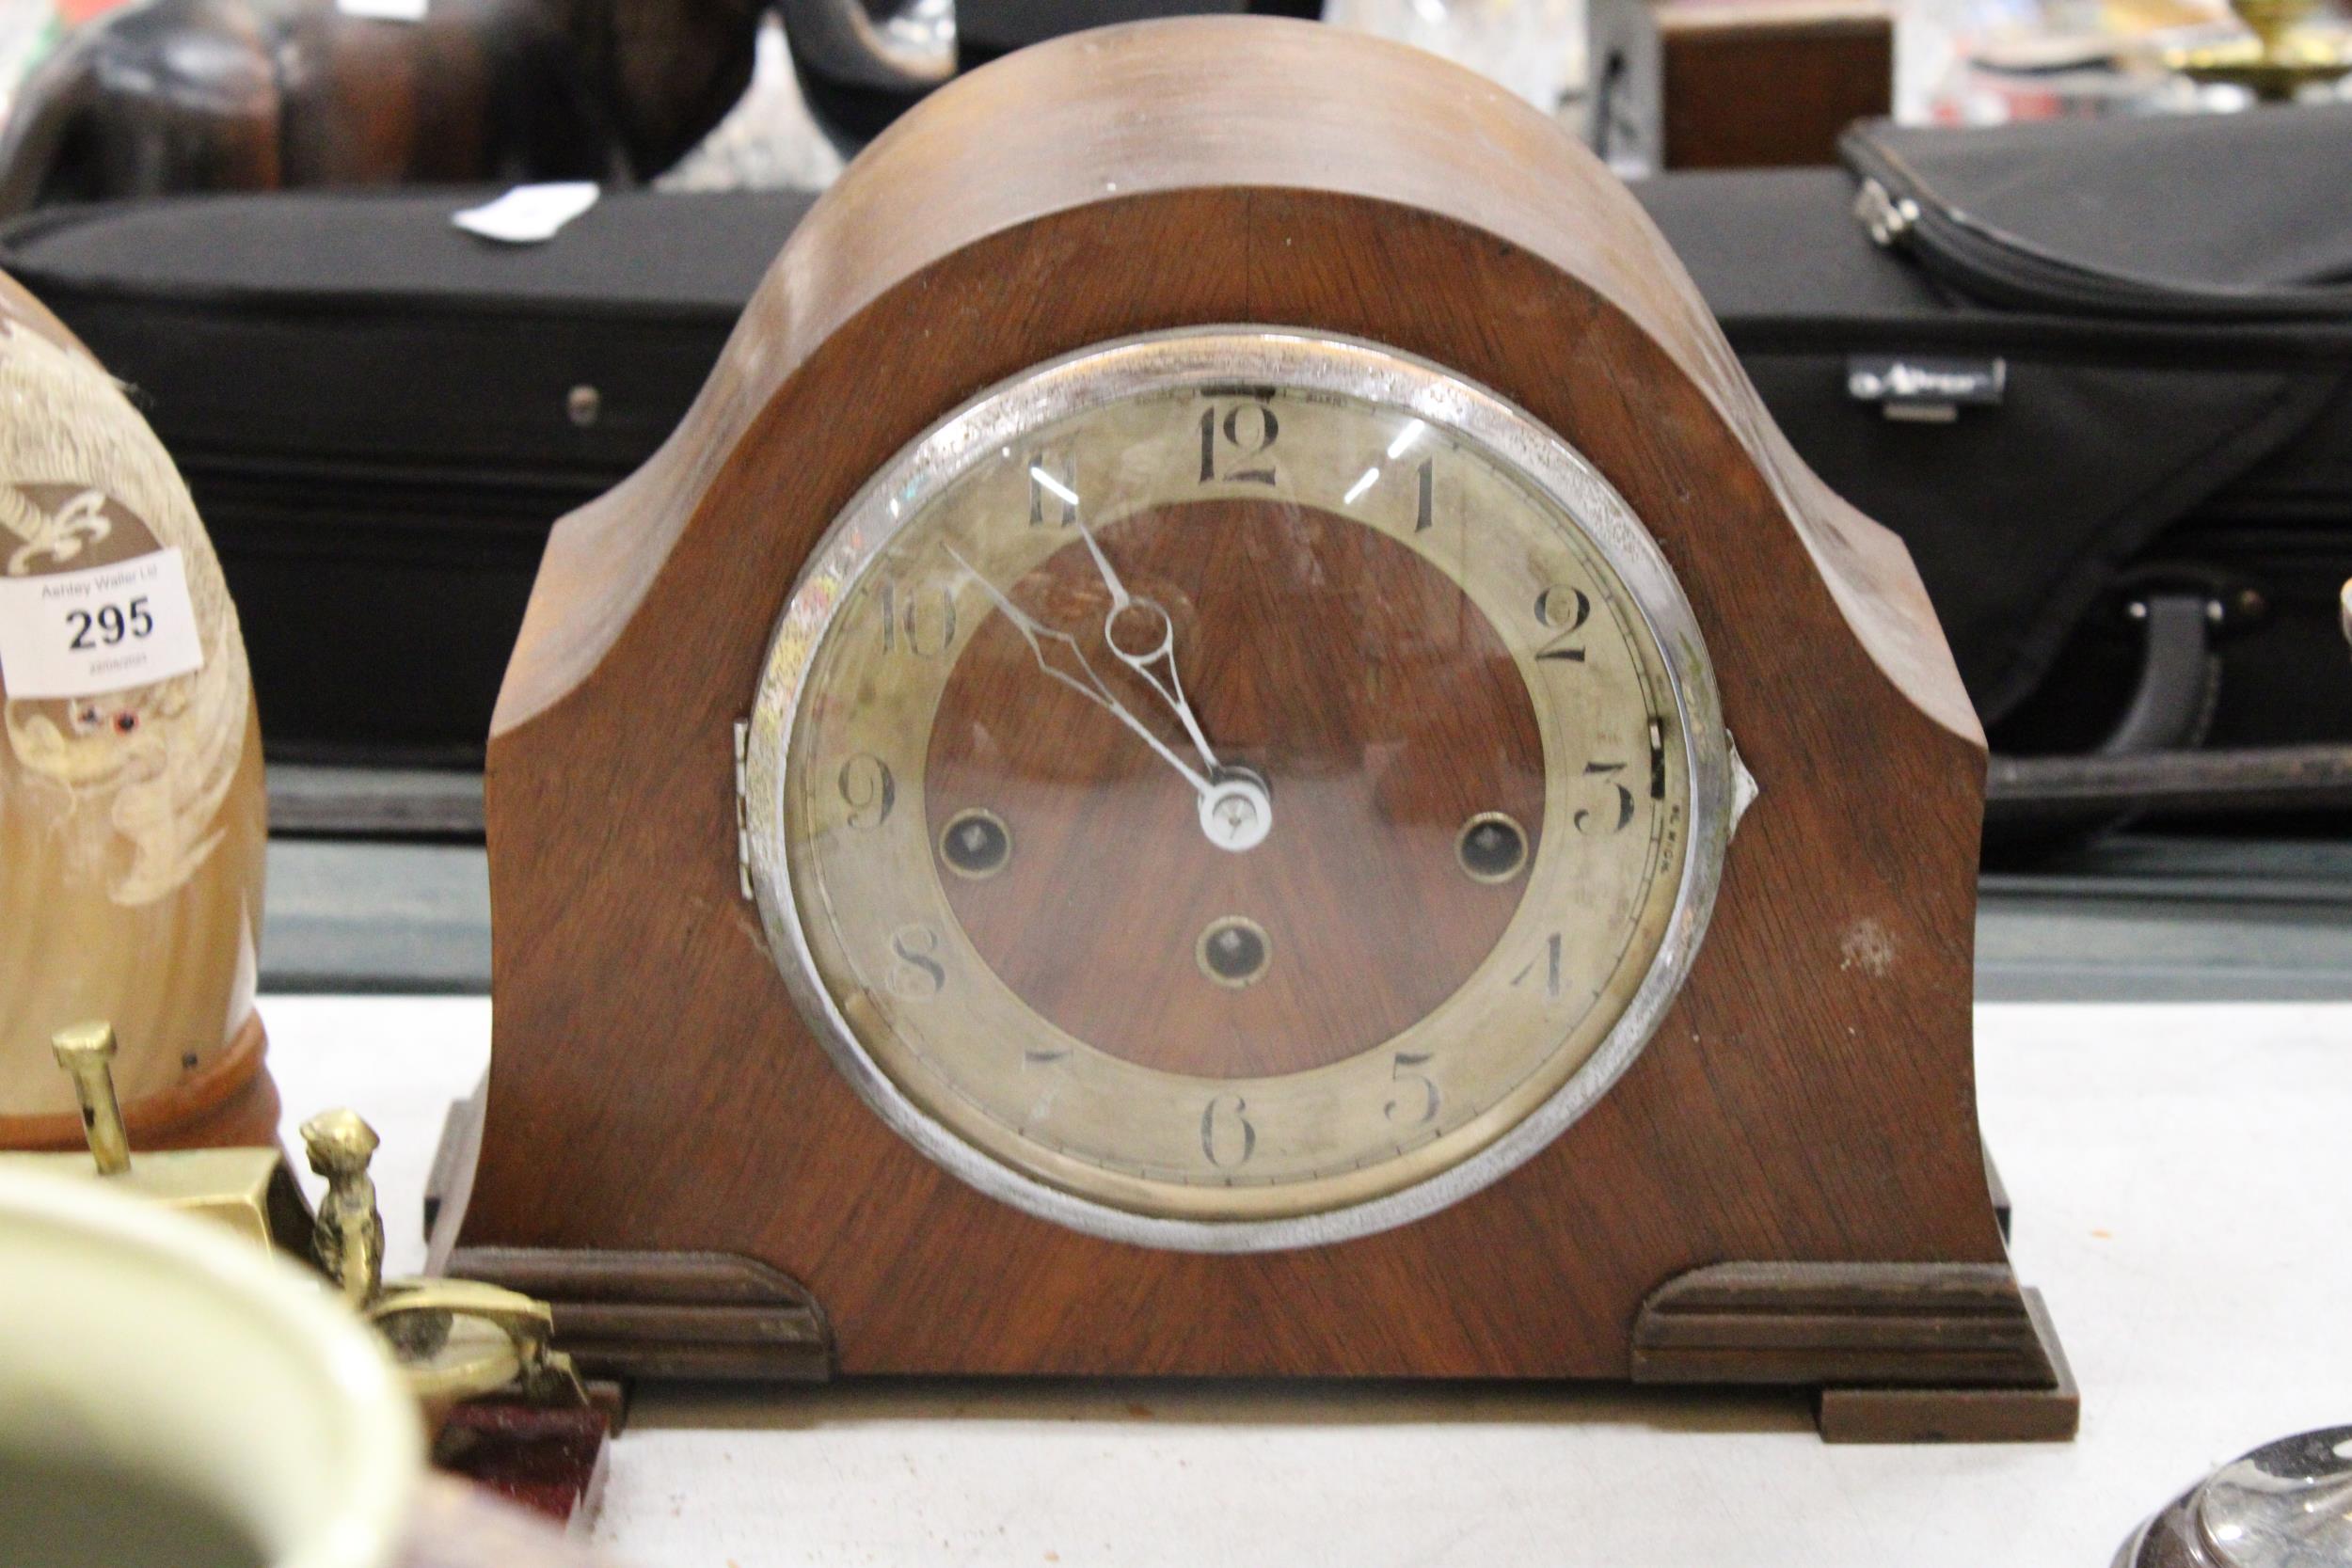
{"x":529,"y":214}
{"x":103,"y":628}
{"x":384,"y":11}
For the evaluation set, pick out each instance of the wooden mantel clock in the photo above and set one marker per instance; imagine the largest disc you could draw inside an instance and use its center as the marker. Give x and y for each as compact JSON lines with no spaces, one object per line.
{"x":1148,"y":785}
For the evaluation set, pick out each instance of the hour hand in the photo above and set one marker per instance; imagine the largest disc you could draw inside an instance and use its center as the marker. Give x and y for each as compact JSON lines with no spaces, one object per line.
{"x":1080,"y":678}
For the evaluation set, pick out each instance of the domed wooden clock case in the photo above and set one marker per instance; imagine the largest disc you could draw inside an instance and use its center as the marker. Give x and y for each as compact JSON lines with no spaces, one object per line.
{"x":1227,"y":744}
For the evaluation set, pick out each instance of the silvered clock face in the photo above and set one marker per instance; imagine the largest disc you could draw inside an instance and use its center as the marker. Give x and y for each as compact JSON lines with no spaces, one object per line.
{"x":1235,"y":790}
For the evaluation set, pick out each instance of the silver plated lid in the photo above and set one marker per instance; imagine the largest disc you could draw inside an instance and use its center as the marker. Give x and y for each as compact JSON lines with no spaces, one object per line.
{"x":2287,"y":1504}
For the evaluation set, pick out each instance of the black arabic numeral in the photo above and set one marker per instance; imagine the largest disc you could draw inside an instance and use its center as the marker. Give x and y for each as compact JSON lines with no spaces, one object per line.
{"x":1053,"y":490}
{"x":1405,"y":1068}
{"x":1224,"y":1124}
{"x":1250,"y":437}
{"x":1549,"y":963}
{"x":868,"y":790}
{"x":1624,"y":813}
{"x":925,"y":624}
{"x":916,"y":972}
{"x":1564,"y":609}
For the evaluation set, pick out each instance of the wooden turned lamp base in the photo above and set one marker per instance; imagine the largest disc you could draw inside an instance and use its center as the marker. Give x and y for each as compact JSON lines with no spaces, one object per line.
{"x":232,"y":1103}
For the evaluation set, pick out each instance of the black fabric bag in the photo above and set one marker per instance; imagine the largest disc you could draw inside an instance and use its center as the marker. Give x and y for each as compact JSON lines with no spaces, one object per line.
{"x":380,"y":414}
{"x":2080,"y":367}
{"x":2116,"y":357}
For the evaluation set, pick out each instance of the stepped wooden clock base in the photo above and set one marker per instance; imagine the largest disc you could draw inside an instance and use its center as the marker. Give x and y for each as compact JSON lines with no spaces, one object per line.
{"x":1899,"y":1353}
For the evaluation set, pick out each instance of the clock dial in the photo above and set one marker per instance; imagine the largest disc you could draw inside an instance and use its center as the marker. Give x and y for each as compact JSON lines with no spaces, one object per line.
{"x":1233,"y":787}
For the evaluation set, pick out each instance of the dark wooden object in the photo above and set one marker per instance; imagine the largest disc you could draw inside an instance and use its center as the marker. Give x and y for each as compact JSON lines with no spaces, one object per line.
{"x":208,"y":95}
{"x":1807,"y":1098}
{"x":450,"y":1176}
{"x":1966,"y":1415}
{"x":1901,"y":1352}
{"x":549,"y":1461}
{"x":694,"y":1315}
{"x":1748,"y":84}
{"x":1736,"y":83}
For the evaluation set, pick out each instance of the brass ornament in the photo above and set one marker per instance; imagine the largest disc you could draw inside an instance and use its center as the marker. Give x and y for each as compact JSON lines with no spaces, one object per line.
{"x":248,"y":1190}
{"x":347,"y":1240}
{"x":455,"y":1340}
{"x":86,"y":1052}
{"x":2283,"y":55}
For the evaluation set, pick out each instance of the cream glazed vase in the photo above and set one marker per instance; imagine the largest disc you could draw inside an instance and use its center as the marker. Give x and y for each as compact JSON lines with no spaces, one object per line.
{"x":179,"y":1357}
{"x":131,"y":822}
{"x":160,"y":1356}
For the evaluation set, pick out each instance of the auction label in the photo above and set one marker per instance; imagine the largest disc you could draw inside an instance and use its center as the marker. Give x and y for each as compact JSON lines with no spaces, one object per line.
{"x":77,"y":634}
{"x":383,"y":11}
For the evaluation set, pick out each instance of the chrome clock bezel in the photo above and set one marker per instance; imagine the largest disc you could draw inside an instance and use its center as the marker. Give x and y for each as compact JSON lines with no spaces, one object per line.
{"x":1175,"y":360}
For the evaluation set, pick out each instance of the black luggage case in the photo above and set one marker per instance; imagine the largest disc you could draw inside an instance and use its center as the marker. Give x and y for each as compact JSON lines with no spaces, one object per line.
{"x":2099,"y":376}
{"x":2112,"y":495}
{"x":380,"y":416}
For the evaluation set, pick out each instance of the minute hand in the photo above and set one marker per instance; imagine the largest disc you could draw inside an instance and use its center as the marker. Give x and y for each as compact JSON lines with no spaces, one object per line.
{"x":1090,"y":687}
{"x":1160,"y":650}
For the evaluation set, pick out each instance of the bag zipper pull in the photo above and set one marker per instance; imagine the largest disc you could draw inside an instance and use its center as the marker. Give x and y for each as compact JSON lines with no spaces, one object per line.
{"x":1888,"y":218}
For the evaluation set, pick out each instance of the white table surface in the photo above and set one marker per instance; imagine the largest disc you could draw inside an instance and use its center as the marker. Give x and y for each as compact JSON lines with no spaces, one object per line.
{"x":2178,"y":1173}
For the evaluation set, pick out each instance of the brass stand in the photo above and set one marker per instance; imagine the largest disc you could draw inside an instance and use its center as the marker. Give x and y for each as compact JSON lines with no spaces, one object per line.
{"x":246,"y":1189}
{"x":508,"y":1411}
{"x":456,"y":1340}
{"x":2282,"y":57}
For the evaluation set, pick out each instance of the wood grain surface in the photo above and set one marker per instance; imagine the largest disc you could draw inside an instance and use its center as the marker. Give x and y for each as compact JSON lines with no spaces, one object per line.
{"x":680,"y":1315}
{"x":2018,"y":1413}
{"x":1754,"y":85}
{"x":1808,"y":1097}
{"x":1937,"y":1325}
{"x":1366,"y":684}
